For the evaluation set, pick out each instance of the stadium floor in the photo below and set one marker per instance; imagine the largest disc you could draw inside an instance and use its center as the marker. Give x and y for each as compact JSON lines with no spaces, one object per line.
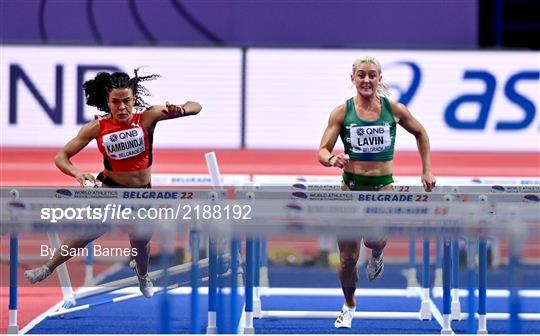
{"x":142,"y":316}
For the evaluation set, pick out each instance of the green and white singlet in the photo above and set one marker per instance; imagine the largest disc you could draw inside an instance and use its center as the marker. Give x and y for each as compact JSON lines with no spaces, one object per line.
{"x":369,"y":140}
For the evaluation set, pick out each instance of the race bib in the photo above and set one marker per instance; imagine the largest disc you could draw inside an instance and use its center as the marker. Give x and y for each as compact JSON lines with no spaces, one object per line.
{"x":370,"y":139}
{"x":124,"y":144}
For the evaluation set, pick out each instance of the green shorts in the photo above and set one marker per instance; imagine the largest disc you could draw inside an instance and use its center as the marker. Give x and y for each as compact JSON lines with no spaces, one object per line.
{"x":357,"y":182}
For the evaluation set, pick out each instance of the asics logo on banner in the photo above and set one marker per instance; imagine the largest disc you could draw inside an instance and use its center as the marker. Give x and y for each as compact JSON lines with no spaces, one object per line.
{"x":407,"y":91}
{"x":113,"y":137}
{"x":360,"y":131}
{"x":525,"y":108}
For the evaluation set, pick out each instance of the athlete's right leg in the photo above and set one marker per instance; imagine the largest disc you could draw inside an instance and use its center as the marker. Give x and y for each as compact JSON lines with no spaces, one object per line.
{"x":60,"y":256}
{"x":139,"y":263}
{"x":349,"y":251}
{"x":348,"y":276}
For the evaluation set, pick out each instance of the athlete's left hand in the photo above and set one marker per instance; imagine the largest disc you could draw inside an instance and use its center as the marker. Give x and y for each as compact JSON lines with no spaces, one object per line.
{"x":428,"y":181}
{"x":174,"y":110}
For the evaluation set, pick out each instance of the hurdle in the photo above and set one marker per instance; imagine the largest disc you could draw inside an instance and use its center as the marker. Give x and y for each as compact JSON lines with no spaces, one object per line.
{"x":63,"y":312}
{"x":216,"y":296}
{"x":41,"y":195}
{"x":13,"y":326}
{"x":277,"y":314}
{"x":213,"y":290}
{"x":441,"y":197}
{"x":452,"y":310}
{"x":472,"y":295}
{"x":63,"y":275}
{"x":133,"y":280}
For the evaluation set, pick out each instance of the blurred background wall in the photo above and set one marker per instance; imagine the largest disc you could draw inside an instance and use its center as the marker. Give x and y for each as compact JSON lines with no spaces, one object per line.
{"x":269,"y":72}
{"x":277,"y":23}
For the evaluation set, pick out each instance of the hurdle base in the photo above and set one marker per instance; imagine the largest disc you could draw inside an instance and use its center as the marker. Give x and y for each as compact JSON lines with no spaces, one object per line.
{"x":69,"y":302}
{"x":257,"y":310}
{"x":425,"y":310}
{"x":456,"y":311}
{"x":482,"y":325}
{"x":446,"y":325}
{"x":249,"y":330}
{"x":211,"y":330}
{"x":13,"y":329}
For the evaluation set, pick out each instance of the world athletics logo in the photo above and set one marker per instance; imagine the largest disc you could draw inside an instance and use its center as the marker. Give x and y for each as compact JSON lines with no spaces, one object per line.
{"x":531,"y":198}
{"x":17,"y":205}
{"x":300,"y":186}
{"x":63,"y":193}
{"x":299,"y":195}
{"x":498,"y":188}
{"x":294,"y":207}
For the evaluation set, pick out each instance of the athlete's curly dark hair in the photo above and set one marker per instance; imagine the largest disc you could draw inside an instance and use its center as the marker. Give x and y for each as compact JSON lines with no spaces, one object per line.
{"x":97,"y":90}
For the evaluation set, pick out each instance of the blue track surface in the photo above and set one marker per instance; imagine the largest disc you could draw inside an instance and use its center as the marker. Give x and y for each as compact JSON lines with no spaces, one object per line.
{"x":141,"y":315}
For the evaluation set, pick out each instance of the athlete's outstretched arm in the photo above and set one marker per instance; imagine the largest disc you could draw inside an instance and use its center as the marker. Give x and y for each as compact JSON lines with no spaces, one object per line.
{"x":62,"y":160}
{"x":413,"y":126}
{"x":329,"y":139}
{"x":157,"y":113}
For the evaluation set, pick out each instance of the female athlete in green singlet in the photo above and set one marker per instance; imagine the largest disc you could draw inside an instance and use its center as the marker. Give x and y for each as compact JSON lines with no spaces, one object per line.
{"x":366,"y":124}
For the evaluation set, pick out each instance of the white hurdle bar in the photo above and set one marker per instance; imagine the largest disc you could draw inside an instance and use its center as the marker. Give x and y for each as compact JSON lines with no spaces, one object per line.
{"x":213,"y":289}
{"x":217,"y":321}
{"x":63,"y":312}
{"x":133,"y":280}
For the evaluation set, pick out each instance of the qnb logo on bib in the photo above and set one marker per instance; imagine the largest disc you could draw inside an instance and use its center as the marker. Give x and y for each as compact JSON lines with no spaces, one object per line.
{"x":124,"y":144}
{"x":370,"y":139}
